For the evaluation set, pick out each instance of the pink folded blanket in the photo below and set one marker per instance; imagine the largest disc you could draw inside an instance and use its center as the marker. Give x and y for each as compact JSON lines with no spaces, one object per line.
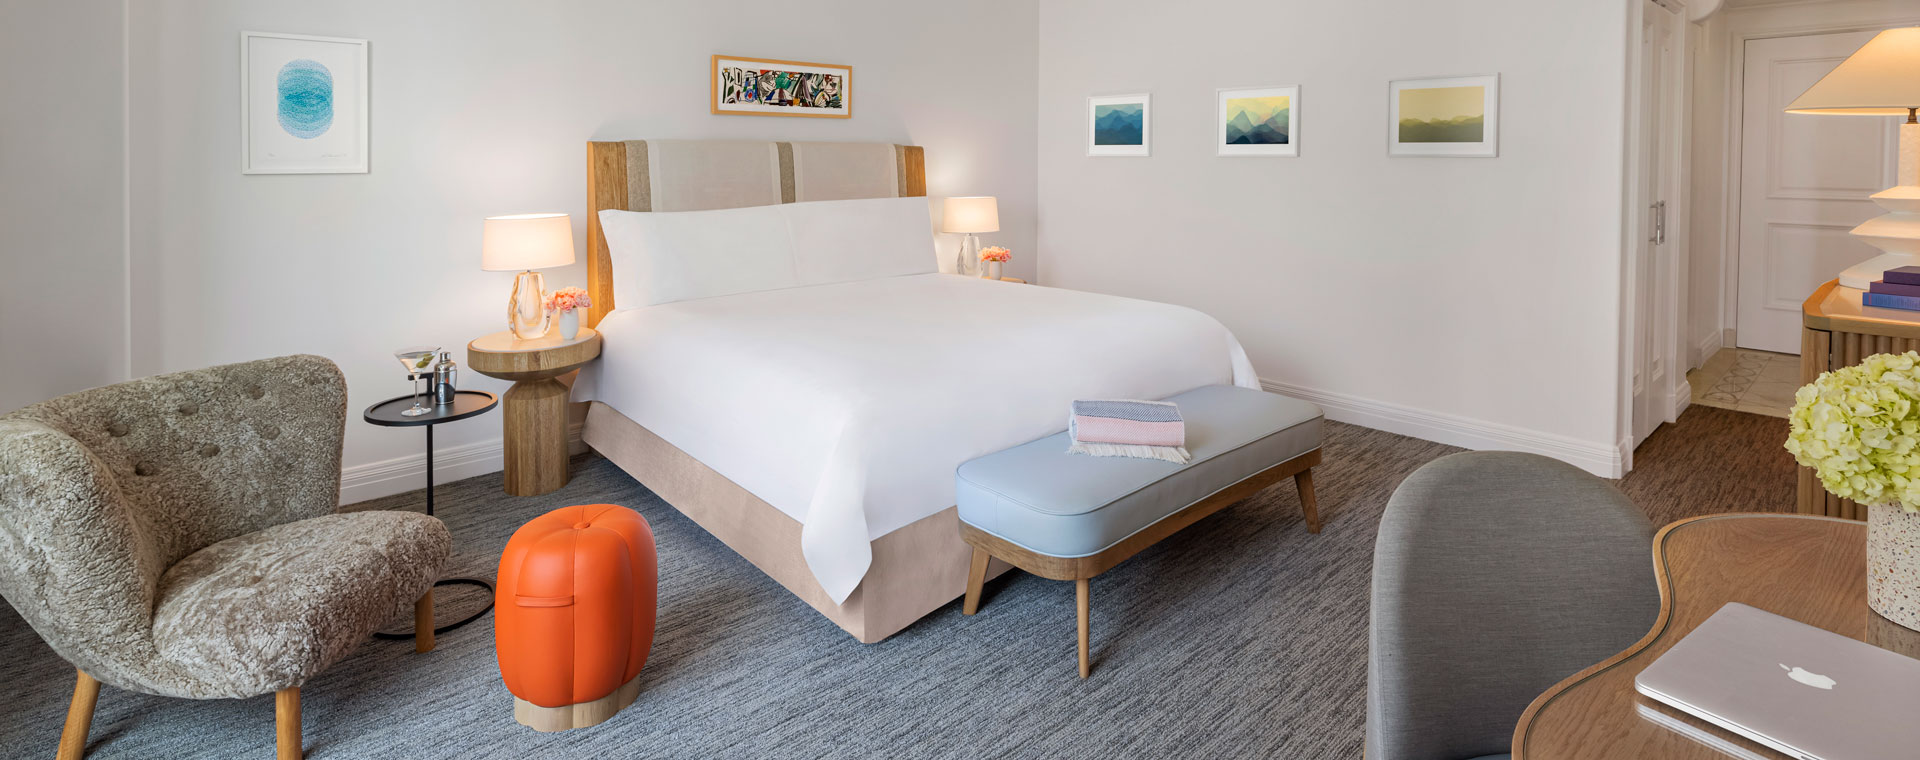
{"x":1142,"y":429}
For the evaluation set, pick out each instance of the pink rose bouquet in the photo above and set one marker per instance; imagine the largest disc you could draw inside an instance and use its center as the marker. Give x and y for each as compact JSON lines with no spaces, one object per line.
{"x":995,"y":253}
{"x":567,"y":299}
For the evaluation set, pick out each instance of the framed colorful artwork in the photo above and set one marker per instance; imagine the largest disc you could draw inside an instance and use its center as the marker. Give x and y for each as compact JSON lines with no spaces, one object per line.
{"x":303,"y":104}
{"x":766,"y":87}
{"x":1452,"y":116}
{"x":1261,"y":121}
{"x":1119,"y":125}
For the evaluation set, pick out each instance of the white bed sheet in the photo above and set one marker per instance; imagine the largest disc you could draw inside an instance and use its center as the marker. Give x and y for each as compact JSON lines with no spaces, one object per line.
{"x":847,"y":406}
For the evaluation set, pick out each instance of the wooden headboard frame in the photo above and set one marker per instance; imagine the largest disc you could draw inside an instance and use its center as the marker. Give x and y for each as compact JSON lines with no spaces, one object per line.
{"x":608,"y":187}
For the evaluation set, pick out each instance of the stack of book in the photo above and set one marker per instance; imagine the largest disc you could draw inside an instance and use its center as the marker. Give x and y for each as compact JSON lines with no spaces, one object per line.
{"x":1899,"y":289}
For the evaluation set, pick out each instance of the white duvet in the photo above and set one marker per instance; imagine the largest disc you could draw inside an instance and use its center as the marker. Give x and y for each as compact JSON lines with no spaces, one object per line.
{"x":847,"y":406}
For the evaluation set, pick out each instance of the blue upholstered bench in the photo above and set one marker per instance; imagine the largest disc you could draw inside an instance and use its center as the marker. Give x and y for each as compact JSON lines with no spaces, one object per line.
{"x":1071,"y":517}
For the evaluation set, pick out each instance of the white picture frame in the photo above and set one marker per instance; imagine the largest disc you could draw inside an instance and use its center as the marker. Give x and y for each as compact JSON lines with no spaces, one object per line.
{"x":1488,"y":146}
{"x":303,"y":104}
{"x":1100,"y":137}
{"x":1222,"y":142}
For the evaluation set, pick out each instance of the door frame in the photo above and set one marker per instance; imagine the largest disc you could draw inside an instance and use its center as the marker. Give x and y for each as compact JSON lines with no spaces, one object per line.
{"x":1733,"y":126}
{"x":1669,"y":385}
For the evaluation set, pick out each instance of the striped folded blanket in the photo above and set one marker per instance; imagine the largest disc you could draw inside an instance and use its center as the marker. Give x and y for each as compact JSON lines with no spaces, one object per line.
{"x":1142,"y":429}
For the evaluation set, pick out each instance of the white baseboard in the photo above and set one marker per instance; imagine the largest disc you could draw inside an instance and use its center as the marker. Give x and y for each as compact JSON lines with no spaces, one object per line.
{"x":1709,"y":345}
{"x":408,"y":473}
{"x":1681,"y":399}
{"x":1454,"y":430}
{"x":373,"y":480}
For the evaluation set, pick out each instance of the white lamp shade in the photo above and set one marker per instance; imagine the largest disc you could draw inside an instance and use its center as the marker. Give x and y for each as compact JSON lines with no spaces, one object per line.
{"x":974,"y":214}
{"x":1882,"y":78}
{"x":526,"y":241}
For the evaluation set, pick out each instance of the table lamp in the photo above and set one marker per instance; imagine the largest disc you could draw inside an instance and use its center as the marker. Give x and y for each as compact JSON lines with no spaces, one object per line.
{"x":1882,"y":78}
{"x":523,"y":243}
{"x":969,"y":215}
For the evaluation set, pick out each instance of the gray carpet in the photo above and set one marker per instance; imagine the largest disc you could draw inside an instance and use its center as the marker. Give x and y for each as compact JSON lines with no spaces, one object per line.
{"x":1241,"y":636}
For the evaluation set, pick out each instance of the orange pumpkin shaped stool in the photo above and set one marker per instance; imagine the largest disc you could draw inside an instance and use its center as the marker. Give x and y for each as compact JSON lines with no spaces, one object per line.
{"x":574,"y":610}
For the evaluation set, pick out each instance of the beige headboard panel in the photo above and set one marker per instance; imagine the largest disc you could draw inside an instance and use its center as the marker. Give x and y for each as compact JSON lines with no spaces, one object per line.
{"x":696,"y":175}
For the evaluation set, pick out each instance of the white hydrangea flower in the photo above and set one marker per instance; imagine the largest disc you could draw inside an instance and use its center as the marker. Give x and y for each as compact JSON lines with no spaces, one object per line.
{"x":1859,"y":429}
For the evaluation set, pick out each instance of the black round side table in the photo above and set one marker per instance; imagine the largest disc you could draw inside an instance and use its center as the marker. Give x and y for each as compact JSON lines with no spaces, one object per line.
{"x":465,"y":404}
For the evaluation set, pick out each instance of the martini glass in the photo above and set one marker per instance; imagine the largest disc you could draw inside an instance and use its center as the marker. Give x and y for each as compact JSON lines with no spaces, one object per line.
{"x":418,"y":361}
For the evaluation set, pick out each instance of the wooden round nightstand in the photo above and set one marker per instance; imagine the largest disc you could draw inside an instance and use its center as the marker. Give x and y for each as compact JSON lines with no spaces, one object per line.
{"x":535,"y":408}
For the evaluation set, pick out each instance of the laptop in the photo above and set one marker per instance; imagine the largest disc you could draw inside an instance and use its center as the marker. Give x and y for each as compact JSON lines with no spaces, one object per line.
{"x":1804,"y":691}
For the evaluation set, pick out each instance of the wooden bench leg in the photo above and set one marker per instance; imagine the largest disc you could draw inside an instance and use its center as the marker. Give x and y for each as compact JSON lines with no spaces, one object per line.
{"x":73,"y":738}
{"x":976,"y":578}
{"x":1081,"y":594}
{"x":1308,"y":507}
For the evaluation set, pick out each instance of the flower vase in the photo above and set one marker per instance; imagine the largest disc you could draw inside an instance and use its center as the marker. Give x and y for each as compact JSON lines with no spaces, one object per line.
{"x":1893,"y":563}
{"x":990,"y":270}
{"x":569,"y":323}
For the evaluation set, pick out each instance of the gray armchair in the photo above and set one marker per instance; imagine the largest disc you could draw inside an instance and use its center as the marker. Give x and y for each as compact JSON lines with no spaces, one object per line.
{"x":1496,"y":575}
{"x":177,"y":535}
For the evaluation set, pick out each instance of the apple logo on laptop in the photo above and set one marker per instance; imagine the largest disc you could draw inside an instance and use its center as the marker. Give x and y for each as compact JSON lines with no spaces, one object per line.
{"x":1808,"y":677}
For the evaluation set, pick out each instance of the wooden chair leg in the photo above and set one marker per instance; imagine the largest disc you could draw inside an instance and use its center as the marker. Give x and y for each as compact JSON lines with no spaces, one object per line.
{"x":1308,"y":506}
{"x":976,"y":578}
{"x":73,"y":738}
{"x":1082,"y":594}
{"x":423,"y":623}
{"x":286,"y":719}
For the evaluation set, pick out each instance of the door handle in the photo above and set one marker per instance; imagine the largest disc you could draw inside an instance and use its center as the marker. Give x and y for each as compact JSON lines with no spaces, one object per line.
{"x":1659,"y":212}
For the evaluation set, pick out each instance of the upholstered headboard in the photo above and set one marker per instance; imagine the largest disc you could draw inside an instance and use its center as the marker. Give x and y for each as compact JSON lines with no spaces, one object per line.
{"x":697,"y":175}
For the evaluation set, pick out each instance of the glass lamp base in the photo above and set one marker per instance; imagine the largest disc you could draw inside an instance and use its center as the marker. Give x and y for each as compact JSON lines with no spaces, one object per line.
{"x":527,"y":310}
{"x":968,"y":261}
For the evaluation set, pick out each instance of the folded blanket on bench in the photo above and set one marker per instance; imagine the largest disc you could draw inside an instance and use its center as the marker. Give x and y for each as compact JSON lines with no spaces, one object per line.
{"x":1140,"y":429}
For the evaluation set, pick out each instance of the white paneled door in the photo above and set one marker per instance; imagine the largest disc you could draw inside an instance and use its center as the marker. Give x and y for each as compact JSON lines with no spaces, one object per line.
{"x":1652,"y":267}
{"x":1804,"y":182}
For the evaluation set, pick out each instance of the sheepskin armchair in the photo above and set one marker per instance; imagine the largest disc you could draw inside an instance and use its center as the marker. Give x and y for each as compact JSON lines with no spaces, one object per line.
{"x":178,"y":535}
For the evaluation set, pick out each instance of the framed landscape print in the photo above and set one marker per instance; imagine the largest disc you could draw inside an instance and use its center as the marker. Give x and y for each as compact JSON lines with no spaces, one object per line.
{"x":1262,"y":121}
{"x":766,"y":87}
{"x":1455,"y":116}
{"x":303,"y":104}
{"x":1119,"y":125}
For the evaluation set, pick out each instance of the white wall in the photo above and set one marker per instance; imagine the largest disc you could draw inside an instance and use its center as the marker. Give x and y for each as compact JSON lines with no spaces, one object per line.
{"x":482,"y":108}
{"x":1714,"y":224}
{"x":1706,"y":282}
{"x":1474,"y":301}
{"x":63,"y":318}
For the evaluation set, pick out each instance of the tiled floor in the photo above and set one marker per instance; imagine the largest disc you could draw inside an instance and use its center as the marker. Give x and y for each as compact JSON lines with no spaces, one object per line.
{"x":1746,"y":380}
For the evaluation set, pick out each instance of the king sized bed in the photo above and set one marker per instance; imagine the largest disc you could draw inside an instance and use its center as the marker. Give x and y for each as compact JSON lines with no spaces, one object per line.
{"x":783,"y":363}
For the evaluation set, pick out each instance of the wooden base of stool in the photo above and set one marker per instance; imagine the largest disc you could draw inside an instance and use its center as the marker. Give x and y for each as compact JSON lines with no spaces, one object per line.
{"x":581,"y":715}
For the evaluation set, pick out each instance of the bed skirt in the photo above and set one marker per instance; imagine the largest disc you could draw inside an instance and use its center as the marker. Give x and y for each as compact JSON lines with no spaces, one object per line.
{"x":916,"y":569}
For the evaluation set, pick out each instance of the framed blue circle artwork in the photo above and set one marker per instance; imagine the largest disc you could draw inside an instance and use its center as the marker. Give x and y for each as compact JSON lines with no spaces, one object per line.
{"x":306,"y":98}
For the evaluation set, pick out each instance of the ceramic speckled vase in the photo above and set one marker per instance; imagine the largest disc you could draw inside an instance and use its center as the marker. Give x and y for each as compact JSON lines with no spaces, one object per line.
{"x":1893,"y":563}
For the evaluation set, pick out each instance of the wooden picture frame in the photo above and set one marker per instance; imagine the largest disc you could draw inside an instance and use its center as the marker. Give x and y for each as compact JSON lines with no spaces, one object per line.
{"x":303,"y":104}
{"x":796,"y":88}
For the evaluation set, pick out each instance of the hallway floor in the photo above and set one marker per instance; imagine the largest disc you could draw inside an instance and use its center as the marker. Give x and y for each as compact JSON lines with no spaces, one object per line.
{"x":1741,"y":379}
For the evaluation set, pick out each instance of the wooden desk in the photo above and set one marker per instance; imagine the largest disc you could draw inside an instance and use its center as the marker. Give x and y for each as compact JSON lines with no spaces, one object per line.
{"x":1837,"y":331}
{"x":1812,"y":569}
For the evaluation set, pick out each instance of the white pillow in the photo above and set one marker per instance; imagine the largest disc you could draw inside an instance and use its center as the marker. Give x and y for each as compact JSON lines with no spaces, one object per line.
{"x":844,"y":241}
{"x":667,"y":256}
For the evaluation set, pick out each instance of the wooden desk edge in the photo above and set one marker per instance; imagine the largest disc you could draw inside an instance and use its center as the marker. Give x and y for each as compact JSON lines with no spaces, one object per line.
{"x":1660,"y":623}
{"x":1851,"y":317}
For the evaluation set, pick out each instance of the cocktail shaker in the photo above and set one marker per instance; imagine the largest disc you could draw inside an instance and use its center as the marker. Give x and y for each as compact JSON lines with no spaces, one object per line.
{"x":445,"y":374}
